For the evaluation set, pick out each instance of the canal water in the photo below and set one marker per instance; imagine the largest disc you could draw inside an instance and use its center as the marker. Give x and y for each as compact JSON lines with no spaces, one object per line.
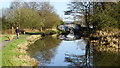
{"x":52,"y":51}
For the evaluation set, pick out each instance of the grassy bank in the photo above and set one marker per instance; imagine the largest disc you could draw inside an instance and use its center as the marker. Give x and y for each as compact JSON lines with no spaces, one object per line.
{"x":9,"y":52}
{"x":13,"y":56}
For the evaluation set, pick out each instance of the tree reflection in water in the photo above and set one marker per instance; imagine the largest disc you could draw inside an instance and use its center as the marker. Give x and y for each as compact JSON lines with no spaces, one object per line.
{"x":43,"y":49}
{"x":106,"y":56}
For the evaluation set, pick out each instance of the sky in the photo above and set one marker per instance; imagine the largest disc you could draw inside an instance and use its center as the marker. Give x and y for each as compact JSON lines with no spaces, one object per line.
{"x":60,"y":7}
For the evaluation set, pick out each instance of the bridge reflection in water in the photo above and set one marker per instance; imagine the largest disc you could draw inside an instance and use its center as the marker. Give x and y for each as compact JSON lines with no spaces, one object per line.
{"x":78,"y":60}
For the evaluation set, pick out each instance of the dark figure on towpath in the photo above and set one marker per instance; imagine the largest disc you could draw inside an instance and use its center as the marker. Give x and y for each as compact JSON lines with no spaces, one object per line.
{"x":17,"y":32}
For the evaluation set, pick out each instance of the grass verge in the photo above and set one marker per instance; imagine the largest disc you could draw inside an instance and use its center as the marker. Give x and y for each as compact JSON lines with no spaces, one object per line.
{"x":9,"y":52}
{"x":2,"y":38}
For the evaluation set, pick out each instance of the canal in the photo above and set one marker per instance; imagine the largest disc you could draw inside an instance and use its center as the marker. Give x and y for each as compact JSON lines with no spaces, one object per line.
{"x":54,"y":51}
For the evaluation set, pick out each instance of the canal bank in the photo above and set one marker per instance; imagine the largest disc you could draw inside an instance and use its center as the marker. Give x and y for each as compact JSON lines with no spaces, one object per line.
{"x":14,"y":54}
{"x":106,"y":38}
{"x":106,"y":47}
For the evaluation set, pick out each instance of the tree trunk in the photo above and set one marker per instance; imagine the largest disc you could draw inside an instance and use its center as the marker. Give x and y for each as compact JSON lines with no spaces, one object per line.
{"x":12,"y":29}
{"x":41,"y":29}
{"x":86,"y":18}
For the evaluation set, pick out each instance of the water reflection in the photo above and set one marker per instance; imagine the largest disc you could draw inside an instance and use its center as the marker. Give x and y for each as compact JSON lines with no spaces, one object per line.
{"x":106,"y":57}
{"x":44,"y":49}
{"x":78,"y":60}
{"x":51,"y":51}
{"x":81,"y":60}
{"x":70,"y":50}
{"x":69,"y":37}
